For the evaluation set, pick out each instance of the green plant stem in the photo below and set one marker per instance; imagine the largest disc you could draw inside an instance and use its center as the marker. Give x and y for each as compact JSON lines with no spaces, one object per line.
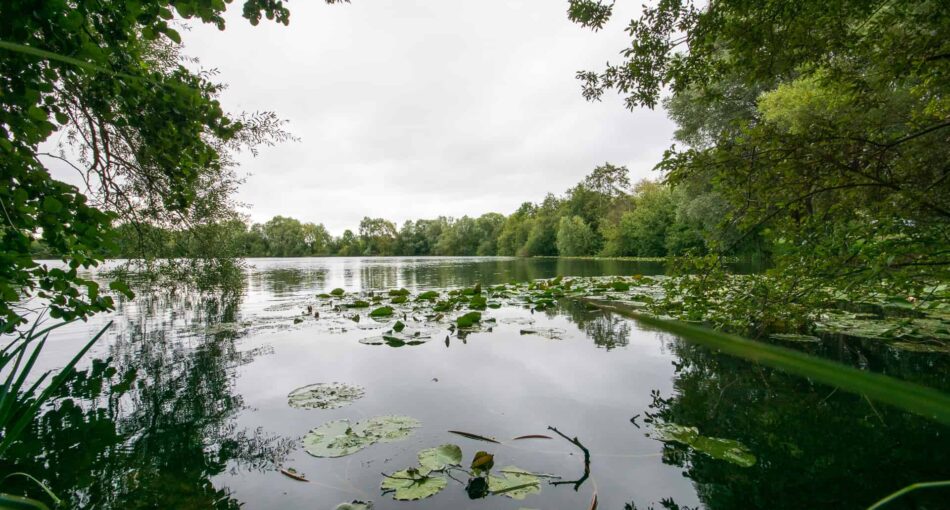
{"x":906,"y":490}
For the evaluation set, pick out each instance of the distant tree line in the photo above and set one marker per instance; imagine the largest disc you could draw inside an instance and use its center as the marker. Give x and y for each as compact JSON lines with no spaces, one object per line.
{"x":602,"y":215}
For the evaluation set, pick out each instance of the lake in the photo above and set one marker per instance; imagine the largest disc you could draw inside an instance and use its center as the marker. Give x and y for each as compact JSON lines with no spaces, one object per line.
{"x":184,"y":404}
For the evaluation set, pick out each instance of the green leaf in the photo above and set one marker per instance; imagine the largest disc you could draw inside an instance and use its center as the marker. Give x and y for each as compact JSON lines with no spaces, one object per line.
{"x":388,"y":429}
{"x":516,"y":483}
{"x":324,"y":396}
{"x":52,"y":205}
{"x":383,"y":311}
{"x":468,"y":320}
{"x":435,"y":459}
{"x":722,"y":449}
{"x":355,"y":505}
{"x":337,"y":292}
{"x":336,"y":439}
{"x":409,"y":485}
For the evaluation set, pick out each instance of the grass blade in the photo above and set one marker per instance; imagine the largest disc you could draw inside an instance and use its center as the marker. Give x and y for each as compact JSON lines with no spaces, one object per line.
{"x":921,"y":400}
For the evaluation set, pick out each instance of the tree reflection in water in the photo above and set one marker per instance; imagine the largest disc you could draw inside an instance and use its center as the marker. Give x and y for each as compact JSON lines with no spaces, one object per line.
{"x":816,"y":447}
{"x":152,"y":424}
{"x":607,"y":330}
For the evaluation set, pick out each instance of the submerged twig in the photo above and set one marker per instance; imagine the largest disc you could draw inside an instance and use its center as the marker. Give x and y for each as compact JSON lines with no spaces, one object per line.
{"x":577,"y":483}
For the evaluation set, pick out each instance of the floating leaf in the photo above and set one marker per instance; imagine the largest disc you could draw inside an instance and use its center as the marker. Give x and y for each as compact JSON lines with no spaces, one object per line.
{"x":357,"y":304}
{"x":355,"y":505}
{"x":337,"y":292}
{"x":292,"y":473}
{"x":435,"y":459}
{"x":473,"y":436}
{"x":717,"y":448}
{"x":409,"y":485}
{"x":478,"y":303}
{"x":533,"y":436}
{"x":428,"y":295}
{"x":468,"y":320}
{"x":389,"y":428}
{"x":336,"y":439}
{"x":516,"y":483}
{"x":398,"y":292}
{"x":324,"y":396}
{"x":398,"y":326}
{"x":383,"y":311}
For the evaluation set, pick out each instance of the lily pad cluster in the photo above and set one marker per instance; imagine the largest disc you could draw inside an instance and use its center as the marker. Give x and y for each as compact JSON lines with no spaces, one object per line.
{"x":435,"y":469}
{"x":339,"y":438}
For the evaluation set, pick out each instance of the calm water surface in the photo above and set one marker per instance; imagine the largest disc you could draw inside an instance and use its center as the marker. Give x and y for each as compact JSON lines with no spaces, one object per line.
{"x":176,"y":411}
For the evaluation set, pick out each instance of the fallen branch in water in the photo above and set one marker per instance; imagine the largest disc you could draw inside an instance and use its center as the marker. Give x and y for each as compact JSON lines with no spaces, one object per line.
{"x":577,"y":483}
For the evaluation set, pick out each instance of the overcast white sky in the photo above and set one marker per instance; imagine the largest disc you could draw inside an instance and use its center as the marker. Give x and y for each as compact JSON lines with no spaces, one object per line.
{"x":417,"y":108}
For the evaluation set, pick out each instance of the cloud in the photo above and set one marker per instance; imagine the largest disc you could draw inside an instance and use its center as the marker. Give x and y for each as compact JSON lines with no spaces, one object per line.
{"x":416,"y":108}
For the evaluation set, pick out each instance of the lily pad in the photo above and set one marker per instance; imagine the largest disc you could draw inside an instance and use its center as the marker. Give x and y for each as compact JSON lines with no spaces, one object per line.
{"x":468,"y":320}
{"x":516,"y":483}
{"x":410,"y":485}
{"x":435,"y":459}
{"x":383,"y":311}
{"x":336,"y":439}
{"x":389,"y":429}
{"x":428,"y":295}
{"x":355,"y":505}
{"x":324,"y":396}
{"x":723,"y":449}
{"x":337,"y":292}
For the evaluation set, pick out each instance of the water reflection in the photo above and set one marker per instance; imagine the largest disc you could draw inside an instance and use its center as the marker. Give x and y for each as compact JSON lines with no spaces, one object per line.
{"x":607,"y":330}
{"x":816,"y":447}
{"x":161,"y":419}
{"x":150,"y":425}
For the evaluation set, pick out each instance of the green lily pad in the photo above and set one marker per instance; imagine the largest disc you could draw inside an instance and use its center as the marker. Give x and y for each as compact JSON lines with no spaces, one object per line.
{"x":478,"y":302}
{"x":435,"y":459}
{"x":357,"y":304}
{"x":516,"y":483}
{"x":428,"y":295}
{"x":717,"y":448}
{"x":410,"y":485}
{"x":337,"y":292}
{"x":468,"y":320}
{"x":355,"y":505}
{"x":324,"y":396}
{"x":388,"y":429}
{"x":336,"y":439}
{"x":383,"y":311}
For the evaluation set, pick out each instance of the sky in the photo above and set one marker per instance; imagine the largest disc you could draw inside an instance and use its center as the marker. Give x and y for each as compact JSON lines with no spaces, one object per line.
{"x":419,"y":108}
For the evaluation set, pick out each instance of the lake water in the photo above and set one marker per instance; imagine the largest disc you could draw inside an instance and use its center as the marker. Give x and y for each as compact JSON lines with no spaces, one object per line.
{"x":191,"y":410}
